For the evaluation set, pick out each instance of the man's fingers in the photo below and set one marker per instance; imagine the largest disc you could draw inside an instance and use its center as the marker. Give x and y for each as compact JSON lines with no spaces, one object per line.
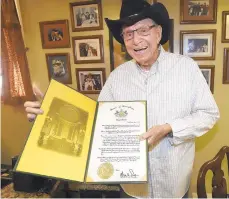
{"x":145,"y":135}
{"x":34,"y":110}
{"x":151,"y":140}
{"x":35,"y":104}
{"x":38,"y":93}
{"x":31,"y":117}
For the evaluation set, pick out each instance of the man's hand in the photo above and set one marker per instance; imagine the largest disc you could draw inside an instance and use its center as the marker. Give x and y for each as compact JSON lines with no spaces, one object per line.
{"x":32,"y":108}
{"x":156,"y":133}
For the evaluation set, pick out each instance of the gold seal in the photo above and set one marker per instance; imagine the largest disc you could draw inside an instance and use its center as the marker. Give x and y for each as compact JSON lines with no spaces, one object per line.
{"x":105,"y":170}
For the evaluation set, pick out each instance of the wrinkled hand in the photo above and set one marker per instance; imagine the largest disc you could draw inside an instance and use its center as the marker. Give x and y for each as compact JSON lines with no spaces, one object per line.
{"x":32,"y":108}
{"x":156,"y":133}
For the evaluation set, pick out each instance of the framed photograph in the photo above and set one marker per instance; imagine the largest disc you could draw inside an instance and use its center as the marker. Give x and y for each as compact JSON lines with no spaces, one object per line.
{"x":58,"y":65}
{"x":225,"y":27}
{"x":226,"y":66}
{"x":198,"y":11}
{"x":88,"y":49}
{"x":55,"y":34}
{"x":86,"y":15}
{"x":198,"y":44}
{"x":90,"y":80}
{"x":209,"y":74}
{"x":119,"y":55}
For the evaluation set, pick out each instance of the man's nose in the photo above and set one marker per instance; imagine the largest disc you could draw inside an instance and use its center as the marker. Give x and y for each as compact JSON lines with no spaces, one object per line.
{"x":136,"y":37}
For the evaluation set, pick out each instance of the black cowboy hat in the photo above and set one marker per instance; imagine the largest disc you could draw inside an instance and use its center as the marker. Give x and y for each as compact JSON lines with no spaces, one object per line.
{"x":133,"y":11}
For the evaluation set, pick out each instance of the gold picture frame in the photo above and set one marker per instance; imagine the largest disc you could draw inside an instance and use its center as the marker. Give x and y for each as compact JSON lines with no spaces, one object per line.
{"x":90,"y":80}
{"x":208,"y":72}
{"x":88,"y":49}
{"x":226,"y":66}
{"x":55,"y":34}
{"x":225,"y":27}
{"x":86,"y":15}
{"x":198,"y":11}
{"x":198,"y":44}
{"x":58,"y":65}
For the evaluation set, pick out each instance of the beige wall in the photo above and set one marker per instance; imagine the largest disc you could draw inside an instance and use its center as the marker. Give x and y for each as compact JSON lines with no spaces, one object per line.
{"x":14,"y":130}
{"x":14,"y":124}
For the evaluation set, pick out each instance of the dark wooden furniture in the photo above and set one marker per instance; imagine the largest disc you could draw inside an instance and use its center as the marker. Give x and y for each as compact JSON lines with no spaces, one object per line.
{"x":219,"y":186}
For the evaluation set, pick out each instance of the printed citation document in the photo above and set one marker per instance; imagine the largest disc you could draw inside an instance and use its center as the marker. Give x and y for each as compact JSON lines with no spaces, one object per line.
{"x":79,"y":139}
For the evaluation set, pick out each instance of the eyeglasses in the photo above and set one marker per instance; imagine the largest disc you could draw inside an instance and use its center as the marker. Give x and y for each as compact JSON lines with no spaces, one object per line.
{"x":142,"y":31}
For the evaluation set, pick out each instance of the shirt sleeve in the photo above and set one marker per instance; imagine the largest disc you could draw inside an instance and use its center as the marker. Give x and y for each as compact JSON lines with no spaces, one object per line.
{"x":203,"y":116}
{"x":106,"y":92}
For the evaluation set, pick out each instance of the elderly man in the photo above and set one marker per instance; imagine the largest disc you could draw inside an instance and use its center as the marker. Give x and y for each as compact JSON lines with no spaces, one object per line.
{"x":180,"y":105}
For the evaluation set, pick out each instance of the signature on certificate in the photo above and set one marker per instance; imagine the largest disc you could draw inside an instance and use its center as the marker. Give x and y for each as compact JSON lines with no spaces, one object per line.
{"x":129,"y":174}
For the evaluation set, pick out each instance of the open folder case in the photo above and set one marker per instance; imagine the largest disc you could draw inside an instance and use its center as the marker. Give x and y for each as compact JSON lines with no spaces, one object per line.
{"x":79,"y":139}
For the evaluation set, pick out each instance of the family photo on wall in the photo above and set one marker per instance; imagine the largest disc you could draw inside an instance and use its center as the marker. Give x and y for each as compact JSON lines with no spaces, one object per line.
{"x":198,"y":8}
{"x":90,"y":80}
{"x":198,"y":11}
{"x":198,"y":44}
{"x":88,"y":49}
{"x":58,"y":65}
{"x":55,"y":34}
{"x":86,"y":15}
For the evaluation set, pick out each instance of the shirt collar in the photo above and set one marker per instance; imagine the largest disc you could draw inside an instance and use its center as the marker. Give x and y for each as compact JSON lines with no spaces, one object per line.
{"x":162,"y":54}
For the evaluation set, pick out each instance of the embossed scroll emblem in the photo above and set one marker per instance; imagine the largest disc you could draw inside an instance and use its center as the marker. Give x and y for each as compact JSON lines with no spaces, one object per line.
{"x":121,"y":113}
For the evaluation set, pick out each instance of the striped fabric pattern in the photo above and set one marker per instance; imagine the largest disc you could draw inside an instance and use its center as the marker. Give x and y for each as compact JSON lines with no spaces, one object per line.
{"x":178,"y":94}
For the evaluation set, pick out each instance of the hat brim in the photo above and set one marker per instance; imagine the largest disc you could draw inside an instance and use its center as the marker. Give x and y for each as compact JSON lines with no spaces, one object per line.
{"x":157,"y":12}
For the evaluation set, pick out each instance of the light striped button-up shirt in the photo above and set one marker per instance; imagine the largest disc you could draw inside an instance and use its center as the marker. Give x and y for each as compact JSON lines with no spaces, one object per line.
{"x":176,"y":93}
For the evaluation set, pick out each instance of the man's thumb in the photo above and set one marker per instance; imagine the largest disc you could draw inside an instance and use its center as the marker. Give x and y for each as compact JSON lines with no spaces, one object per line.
{"x":37,"y":92}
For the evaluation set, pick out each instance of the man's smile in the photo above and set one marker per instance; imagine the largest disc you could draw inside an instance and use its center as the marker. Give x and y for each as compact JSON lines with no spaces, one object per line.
{"x":140,"y":50}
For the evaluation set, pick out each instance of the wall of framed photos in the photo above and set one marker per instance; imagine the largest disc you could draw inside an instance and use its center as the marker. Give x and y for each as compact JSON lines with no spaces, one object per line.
{"x":37,"y":14}
{"x":72,"y":36}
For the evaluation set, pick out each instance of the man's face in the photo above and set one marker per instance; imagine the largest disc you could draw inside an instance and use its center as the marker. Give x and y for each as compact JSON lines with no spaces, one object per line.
{"x":142,"y":47}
